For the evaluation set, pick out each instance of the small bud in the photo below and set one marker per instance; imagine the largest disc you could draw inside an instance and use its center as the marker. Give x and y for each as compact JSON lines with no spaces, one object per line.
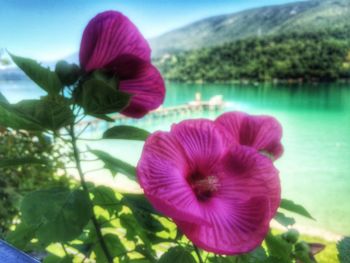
{"x":67,"y":73}
{"x":291,"y":236}
{"x":302,"y":247}
{"x":302,"y":253}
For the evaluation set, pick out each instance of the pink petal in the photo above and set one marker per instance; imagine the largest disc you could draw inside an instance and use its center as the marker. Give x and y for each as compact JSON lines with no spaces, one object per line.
{"x":261,"y":132}
{"x":161,"y":172}
{"x":249,"y":174}
{"x":110,"y":35}
{"x":147,"y":88}
{"x":239,"y":214}
{"x":233,"y":229}
{"x":201,"y":141}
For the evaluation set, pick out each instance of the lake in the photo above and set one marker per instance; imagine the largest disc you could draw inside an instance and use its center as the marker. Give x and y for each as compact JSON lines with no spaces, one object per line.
{"x":315,"y":168}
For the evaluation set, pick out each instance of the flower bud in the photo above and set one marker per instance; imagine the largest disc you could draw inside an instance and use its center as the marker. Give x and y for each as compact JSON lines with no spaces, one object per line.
{"x":67,"y":73}
{"x":302,"y":247}
{"x":291,"y":236}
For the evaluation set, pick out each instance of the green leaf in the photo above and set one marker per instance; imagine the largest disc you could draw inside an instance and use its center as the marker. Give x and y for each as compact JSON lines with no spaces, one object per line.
{"x":6,"y":162}
{"x":343,"y":247}
{"x":105,"y":197}
{"x":284,"y":220}
{"x":302,"y":253}
{"x":59,"y":214}
{"x":115,"y":165}
{"x":148,"y":222}
{"x":279,"y":248}
{"x":110,"y":79}
{"x":55,"y":259}
{"x":295,"y":208}
{"x":147,"y":253}
{"x":103,"y":117}
{"x":134,"y":230}
{"x":126,"y":133}
{"x":21,"y":236}
{"x":98,"y":98}
{"x":256,"y":256}
{"x":10,"y":118}
{"x":51,"y":112}
{"x":177,"y":254}
{"x":43,"y":77}
{"x":138,"y":201}
{"x":114,"y":246}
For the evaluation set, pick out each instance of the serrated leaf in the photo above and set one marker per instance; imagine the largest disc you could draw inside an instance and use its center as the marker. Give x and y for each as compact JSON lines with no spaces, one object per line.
{"x":177,"y":254}
{"x":102,"y":117}
{"x":295,"y":208}
{"x":124,"y":132}
{"x":43,"y":77}
{"x":9,"y":118}
{"x":7,"y":162}
{"x":105,"y":197}
{"x":279,"y":248}
{"x":343,"y":247}
{"x":98,"y":98}
{"x":284,"y":220}
{"x":114,"y":246}
{"x":51,"y":112}
{"x":115,"y":165}
{"x":59,"y":214}
{"x":21,"y":236}
{"x":55,"y":259}
{"x":256,"y":256}
{"x":138,"y":201}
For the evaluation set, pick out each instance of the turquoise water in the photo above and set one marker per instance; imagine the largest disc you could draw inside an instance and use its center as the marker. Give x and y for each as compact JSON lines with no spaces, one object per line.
{"x":315,"y":168}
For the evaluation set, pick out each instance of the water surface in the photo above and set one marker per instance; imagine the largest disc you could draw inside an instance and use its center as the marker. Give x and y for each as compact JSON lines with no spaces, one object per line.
{"x":315,"y":168}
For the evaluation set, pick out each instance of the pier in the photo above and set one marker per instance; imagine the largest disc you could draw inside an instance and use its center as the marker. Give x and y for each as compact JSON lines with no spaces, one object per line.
{"x":214,"y":104}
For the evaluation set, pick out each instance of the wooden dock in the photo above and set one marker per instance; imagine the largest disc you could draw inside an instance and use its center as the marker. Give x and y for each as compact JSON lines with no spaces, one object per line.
{"x":214,"y":104}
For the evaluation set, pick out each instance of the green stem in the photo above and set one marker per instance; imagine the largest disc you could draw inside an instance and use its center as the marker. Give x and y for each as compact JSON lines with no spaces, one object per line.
{"x":198,"y":254}
{"x":85,"y":187}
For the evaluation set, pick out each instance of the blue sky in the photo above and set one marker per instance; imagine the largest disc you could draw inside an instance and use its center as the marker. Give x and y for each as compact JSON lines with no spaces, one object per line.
{"x":51,"y":29}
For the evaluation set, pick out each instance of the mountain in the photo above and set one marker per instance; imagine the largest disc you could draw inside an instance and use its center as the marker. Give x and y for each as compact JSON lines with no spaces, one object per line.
{"x":309,"y":16}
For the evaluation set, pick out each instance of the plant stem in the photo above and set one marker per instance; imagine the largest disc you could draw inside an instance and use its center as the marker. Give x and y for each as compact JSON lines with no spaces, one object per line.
{"x":198,"y":253}
{"x":84,"y":185}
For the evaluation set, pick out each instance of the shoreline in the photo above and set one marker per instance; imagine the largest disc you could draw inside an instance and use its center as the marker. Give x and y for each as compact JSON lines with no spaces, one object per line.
{"x":257,"y":82}
{"x":310,"y":231}
{"x":120,"y":183}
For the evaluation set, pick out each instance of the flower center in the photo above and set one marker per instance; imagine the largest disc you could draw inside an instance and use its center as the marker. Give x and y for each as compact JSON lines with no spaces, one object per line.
{"x":203,"y":186}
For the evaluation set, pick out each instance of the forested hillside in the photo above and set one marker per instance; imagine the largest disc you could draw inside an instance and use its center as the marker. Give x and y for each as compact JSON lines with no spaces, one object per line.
{"x":322,"y":55}
{"x":303,"y":16}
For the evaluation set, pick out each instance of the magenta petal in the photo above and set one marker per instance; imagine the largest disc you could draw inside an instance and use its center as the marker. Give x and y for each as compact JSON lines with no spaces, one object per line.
{"x":108,"y":36}
{"x":234,"y":228}
{"x":201,"y":141}
{"x":240,"y":212}
{"x":222,"y":196}
{"x":148,"y":90}
{"x":264,"y":133}
{"x":249,"y":174}
{"x":161,"y":172}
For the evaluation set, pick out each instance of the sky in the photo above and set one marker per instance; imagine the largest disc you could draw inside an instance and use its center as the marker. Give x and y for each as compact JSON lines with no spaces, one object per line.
{"x":51,"y":29}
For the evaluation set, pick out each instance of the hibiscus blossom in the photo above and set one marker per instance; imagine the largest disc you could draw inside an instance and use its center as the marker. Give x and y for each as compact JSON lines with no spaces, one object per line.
{"x":260,"y":132}
{"x":221,"y":195}
{"x":111,"y":42}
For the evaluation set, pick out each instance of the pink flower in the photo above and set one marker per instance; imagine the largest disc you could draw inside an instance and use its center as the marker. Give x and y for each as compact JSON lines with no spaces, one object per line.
{"x":261,"y":132}
{"x":221,"y":195}
{"x":113,"y":43}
